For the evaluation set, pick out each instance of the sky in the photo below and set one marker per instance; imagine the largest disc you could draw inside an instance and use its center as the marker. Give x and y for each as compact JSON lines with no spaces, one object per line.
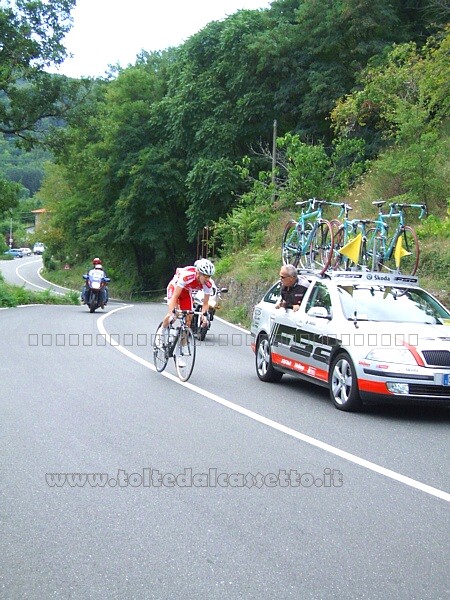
{"x":110,"y":32}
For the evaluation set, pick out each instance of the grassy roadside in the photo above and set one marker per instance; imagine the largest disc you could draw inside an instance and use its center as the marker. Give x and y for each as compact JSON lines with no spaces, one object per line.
{"x":14,"y":295}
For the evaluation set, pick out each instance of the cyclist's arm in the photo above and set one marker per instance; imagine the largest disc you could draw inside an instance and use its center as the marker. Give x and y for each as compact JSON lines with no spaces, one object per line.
{"x":205,"y":305}
{"x":172,"y":304}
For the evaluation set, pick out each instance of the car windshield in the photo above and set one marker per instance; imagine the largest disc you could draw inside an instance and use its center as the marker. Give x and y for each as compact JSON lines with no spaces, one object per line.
{"x":398,"y":305}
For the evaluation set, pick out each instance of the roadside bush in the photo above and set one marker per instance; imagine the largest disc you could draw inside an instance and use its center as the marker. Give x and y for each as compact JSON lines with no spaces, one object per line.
{"x":434,"y":226}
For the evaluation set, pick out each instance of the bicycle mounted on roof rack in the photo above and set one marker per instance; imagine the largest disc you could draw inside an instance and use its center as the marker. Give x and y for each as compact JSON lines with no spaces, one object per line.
{"x":402,"y":247}
{"x":308,"y":242}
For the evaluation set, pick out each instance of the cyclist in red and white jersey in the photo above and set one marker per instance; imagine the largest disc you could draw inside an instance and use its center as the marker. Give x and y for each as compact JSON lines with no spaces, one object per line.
{"x":186,"y":281}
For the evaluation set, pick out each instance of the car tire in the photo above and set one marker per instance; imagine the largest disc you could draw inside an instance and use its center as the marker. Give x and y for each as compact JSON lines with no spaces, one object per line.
{"x":343,"y":384}
{"x":263,"y":363}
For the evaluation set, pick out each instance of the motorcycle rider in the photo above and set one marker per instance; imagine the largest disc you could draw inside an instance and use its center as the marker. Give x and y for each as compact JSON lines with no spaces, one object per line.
{"x":84,"y":292}
{"x":185,"y":281}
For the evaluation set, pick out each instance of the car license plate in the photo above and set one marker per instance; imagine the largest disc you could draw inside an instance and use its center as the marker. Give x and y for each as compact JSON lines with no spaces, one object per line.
{"x":442,"y":379}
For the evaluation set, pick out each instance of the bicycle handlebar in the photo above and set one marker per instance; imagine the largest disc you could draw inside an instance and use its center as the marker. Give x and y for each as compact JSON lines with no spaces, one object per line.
{"x":401,"y":206}
{"x":313,"y":201}
{"x":182,"y":313}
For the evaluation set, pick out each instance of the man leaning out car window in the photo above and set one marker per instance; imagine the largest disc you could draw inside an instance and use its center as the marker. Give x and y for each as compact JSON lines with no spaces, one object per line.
{"x":293,"y":288}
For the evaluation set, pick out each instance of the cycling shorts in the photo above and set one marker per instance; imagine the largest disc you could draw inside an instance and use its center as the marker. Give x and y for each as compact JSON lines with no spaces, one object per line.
{"x":184,"y":300}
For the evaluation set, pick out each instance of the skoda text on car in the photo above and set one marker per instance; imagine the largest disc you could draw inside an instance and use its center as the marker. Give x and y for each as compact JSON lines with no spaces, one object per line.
{"x":367,"y":337}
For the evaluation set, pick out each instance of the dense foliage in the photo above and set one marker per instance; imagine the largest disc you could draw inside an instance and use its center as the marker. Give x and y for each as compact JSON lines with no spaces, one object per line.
{"x":31,"y":100}
{"x":182,"y":140}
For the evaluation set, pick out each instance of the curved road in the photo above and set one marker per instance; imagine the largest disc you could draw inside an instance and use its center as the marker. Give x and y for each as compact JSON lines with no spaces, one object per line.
{"x":119,"y":482}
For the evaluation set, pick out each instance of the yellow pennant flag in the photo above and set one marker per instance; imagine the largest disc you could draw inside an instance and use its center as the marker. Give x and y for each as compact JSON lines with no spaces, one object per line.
{"x":399,"y":252}
{"x":352,"y":249}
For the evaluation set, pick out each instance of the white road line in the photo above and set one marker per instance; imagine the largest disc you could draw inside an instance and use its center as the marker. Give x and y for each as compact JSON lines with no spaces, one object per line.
{"x":50,"y":283}
{"x":40,"y":276}
{"x":418,"y":485}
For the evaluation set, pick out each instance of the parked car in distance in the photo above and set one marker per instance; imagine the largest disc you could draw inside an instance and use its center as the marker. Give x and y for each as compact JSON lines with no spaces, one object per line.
{"x":26,"y":251}
{"x":367,"y":337}
{"x":15,"y":252}
{"x":38,"y":248}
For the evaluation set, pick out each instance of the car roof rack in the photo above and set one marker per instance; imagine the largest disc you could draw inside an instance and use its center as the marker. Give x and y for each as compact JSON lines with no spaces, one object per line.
{"x":371,"y":277}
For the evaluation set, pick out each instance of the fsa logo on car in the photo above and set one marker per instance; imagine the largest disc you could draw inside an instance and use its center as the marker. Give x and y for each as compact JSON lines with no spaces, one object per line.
{"x":311,"y":371}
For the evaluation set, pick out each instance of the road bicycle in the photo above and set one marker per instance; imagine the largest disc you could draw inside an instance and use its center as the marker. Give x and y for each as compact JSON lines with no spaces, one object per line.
{"x":175,"y":341}
{"x":346,"y":232}
{"x":308,"y":242}
{"x":400,"y":251}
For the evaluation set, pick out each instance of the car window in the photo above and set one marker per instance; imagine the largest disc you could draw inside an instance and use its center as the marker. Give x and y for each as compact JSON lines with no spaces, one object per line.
{"x":393,"y":304}
{"x":273,"y":294}
{"x":320,"y":296}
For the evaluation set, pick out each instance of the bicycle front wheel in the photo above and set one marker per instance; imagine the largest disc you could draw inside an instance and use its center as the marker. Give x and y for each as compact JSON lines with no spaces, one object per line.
{"x":290,"y":244}
{"x":184,"y":354}
{"x":160,"y":349}
{"x":322,"y":247}
{"x":409,"y":251}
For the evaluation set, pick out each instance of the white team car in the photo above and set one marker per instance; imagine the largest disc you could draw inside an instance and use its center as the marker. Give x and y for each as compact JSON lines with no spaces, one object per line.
{"x":368,"y":337}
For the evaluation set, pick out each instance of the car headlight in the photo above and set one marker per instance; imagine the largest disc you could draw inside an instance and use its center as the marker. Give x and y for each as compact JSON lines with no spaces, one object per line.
{"x":392,"y":355}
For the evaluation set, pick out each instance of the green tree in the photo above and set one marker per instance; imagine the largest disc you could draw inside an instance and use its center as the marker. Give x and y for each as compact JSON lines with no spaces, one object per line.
{"x":405,"y":96}
{"x":10,"y":193}
{"x":31,"y":35}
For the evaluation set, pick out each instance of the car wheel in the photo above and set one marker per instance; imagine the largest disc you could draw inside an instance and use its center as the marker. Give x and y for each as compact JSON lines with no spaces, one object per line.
{"x":343,"y":384}
{"x":264,"y":367}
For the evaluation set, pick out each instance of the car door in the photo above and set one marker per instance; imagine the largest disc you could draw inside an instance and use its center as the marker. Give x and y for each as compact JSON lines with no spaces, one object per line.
{"x":315,"y":337}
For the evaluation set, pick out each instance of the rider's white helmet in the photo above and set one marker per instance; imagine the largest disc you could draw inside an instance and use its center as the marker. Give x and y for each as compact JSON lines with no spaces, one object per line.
{"x":98,"y":266}
{"x":205,"y":267}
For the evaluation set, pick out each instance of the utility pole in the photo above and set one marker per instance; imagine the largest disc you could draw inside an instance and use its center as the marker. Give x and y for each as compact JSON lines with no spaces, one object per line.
{"x":274,"y":158}
{"x":10,"y":234}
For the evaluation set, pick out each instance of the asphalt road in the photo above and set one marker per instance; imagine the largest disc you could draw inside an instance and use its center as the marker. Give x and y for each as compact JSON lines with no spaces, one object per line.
{"x":221,"y":488}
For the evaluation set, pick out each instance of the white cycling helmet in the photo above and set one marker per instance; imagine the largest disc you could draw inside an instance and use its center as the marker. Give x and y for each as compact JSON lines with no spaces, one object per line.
{"x":98,"y":266}
{"x":205,"y":267}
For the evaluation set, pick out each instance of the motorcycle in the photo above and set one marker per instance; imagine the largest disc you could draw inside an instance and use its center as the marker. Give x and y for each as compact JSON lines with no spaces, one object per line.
{"x":94,"y":296}
{"x":214,"y":303}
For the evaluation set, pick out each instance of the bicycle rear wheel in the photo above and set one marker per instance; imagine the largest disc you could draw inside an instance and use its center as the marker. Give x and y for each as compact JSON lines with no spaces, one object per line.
{"x":160,"y":349}
{"x":305,"y":252}
{"x":338,"y":261}
{"x":184,"y":354}
{"x":322,"y":247}
{"x":410,"y":261}
{"x":290,"y":244}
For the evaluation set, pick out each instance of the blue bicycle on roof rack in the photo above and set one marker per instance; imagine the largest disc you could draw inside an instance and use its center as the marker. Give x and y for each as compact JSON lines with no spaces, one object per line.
{"x":308,"y":243}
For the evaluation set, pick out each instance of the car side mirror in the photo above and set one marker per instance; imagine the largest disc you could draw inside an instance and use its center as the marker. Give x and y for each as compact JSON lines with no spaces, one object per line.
{"x":223,"y":290}
{"x":319,"y":312}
